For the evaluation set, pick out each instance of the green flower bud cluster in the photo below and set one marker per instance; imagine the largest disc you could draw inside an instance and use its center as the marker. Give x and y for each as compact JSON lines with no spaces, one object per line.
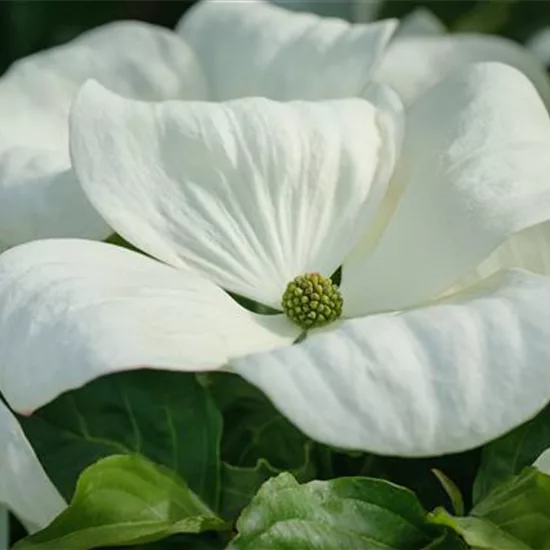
{"x":312,"y":301}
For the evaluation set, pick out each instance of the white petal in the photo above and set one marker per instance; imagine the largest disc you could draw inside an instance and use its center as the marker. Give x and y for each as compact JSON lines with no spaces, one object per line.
{"x":251,"y":193}
{"x":254,"y":48}
{"x":39,"y":196}
{"x":543,"y":462}
{"x":73,"y":310}
{"x":473,"y":170}
{"x":540,"y":45}
{"x":24,"y":486}
{"x":430,"y":381}
{"x":420,"y":22}
{"x":529,"y":249}
{"x":413,"y":64}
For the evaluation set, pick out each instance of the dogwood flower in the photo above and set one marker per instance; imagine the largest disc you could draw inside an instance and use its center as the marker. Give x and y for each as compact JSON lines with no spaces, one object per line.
{"x":254,"y":197}
{"x":260,"y":50}
{"x":24,"y":485}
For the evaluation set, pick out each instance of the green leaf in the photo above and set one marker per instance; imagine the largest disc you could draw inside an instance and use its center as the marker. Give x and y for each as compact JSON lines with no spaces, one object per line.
{"x":123,"y":500}
{"x":239,"y":484}
{"x":506,"y":457}
{"x":351,"y":513}
{"x":452,"y":491}
{"x":167,"y":417}
{"x":488,"y":17}
{"x":449,"y":540}
{"x":258,"y":442}
{"x":479,"y":533}
{"x":202,"y":541}
{"x":514,"y":516}
{"x":253,"y":429}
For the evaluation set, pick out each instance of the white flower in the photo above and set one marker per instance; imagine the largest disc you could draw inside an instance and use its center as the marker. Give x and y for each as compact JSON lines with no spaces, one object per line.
{"x":24,"y":486}
{"x":248,"y":194}
{"x":539,"y":44}
{"x":227,"y":51}
{"x":422,"y":54}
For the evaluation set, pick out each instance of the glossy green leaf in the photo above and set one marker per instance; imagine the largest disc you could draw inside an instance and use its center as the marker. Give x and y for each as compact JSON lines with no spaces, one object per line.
{"x":479,"y":533}
{"x":239,"y":484}
{"x":507,"y":456}
{"x":167,"y":417}
{"x":521,"y":507}
{"x":122,"y":500}
{"x":514,"y":516}
{"x":351,"y":513}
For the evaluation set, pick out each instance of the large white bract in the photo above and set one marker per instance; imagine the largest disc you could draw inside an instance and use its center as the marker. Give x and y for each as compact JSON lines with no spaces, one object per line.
{"x":23,"y":484}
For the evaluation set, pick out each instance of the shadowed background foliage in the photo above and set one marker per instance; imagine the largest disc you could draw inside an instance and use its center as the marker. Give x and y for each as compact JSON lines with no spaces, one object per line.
{"x":27,"y":26}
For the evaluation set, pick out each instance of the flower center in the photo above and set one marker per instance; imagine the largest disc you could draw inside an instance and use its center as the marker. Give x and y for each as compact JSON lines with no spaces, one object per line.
{"x":312,"y":301}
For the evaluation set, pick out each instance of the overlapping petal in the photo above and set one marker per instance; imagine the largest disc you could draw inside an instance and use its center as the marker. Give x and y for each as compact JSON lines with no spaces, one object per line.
{"x":73,"y":310}
{"x":529,"y":249}
{"x":413,"y":64}
{"x":250,"y":193}
{"x":272,"y":52}
{"x":24,"y":486}
{"x":420,"y":22}
{"x":543,"y":462}
{"x":473,"y":171}
{"x":39,"y":196}
{"x":425,"y":382}
{"x":539,"y":44}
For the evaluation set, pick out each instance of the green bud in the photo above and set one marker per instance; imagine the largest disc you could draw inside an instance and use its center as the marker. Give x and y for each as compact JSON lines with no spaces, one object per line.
{"x":312,"y":301}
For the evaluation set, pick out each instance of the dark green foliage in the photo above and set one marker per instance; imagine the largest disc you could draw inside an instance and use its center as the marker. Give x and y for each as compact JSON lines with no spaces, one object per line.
{"x":27,"y":26}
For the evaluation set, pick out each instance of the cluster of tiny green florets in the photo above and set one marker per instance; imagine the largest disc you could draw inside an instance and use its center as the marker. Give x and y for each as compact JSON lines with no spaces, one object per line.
{"x":312,"y":300}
